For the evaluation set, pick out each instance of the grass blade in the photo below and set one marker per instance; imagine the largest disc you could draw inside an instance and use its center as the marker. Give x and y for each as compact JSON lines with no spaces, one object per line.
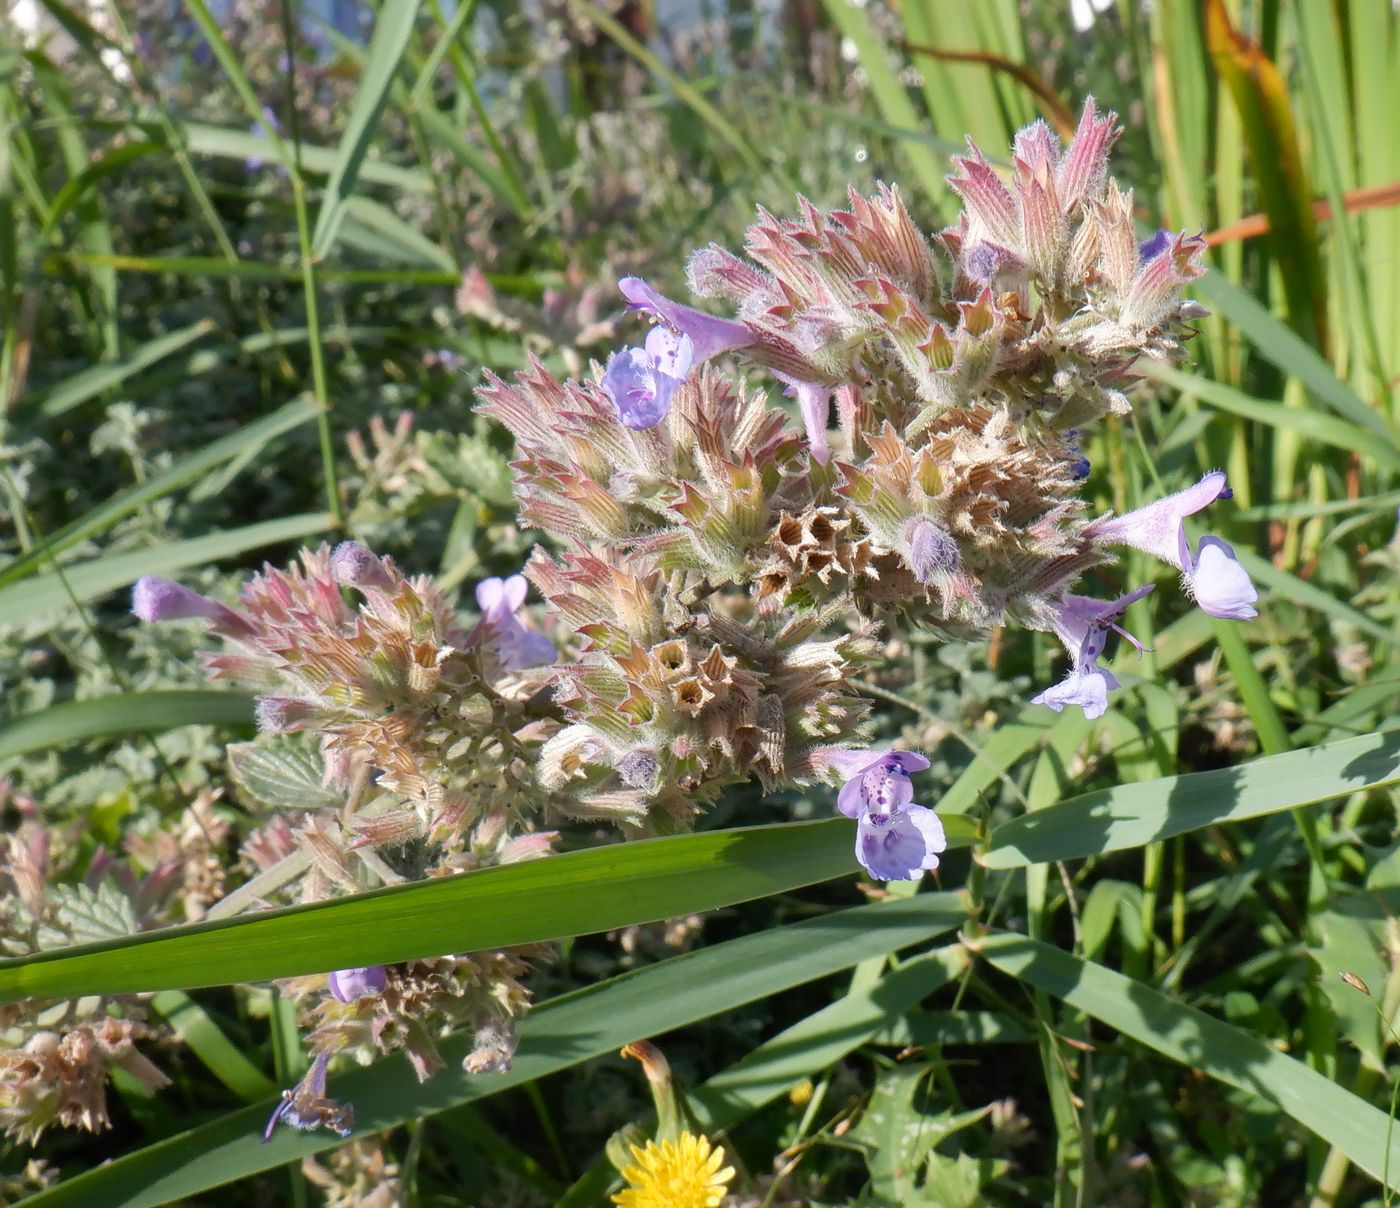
{"x":572,"y":894}
{"x":90,"y":383}
{"x":1132,"y":815}
{"x":129,"y":713}
{"x":1199,"y":1042}
{"x":34,"y":601}
{"x":237,"y":444}
{"x":555,"y":1036}
{"x":387,"y":44}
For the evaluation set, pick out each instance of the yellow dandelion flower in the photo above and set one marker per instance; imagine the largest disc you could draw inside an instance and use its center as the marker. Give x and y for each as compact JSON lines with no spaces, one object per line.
{"x":683,"y":1173}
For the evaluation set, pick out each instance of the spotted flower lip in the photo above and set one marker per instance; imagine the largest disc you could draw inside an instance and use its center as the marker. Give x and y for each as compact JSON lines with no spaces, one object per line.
{"x":900,"y":846}
{"x":876,"y":780}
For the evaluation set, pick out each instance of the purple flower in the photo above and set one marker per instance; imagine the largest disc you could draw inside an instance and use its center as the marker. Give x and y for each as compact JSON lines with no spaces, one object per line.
{"x":1155,"y":246}
{"x":1214,"y":577}
{"x":346,"y":985}
{"x":307,"y":1106}
{"x":876,"y":780}
{"x":642,"y":381}
{"x":518,"y":647}
{"x":155,"y":599}
{"x":814,"y":405}
{"x":1216,"y":580}
{"x":896,"y":840}
{"x":709,"y":335}
{"x":900,"y":846}
{"x":1082,"y":625}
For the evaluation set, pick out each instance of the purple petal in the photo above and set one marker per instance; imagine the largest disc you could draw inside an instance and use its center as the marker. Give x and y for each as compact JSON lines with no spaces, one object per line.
{"x":814,"y":405}
{"x":520,"y":648}
{"x":353,"y":565}
{"x":933,"y":552}
{"x":640,"y":392}
{"x":901,"y":848}
{"x":155,"y":599}
{"x":670,"y":353}
{"x":1150,"y":248}
{"x":1154,"y":529}
{"x":346,"y":985}
{"x":709,"y":335}
{"x":277,"y":1113}
{"x":1087,"y":689}
{"x":1219,"y":584}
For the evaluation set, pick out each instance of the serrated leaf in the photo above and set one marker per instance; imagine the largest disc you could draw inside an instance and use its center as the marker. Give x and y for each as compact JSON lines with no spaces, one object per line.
{"x":86,"y":916}
{"x":283,"y":774}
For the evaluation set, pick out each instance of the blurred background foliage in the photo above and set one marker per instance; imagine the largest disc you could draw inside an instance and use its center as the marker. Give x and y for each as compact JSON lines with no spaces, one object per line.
{"x":254,"y":259}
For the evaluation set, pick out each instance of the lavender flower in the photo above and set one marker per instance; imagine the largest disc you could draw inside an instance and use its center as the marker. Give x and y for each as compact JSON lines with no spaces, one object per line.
{"x":518,"y":647}
{"x":1214,"y":578}
{"x":709,"y":336}
{"x":876,"y":780}
{"x":814,"y":405}
{"x":1150,"y":249}
{"x":354,"y":565}
{"x":307,"y":1106}
{"x":896,"y":840}
{"x":900,"y":846}
{"x":932,"y":550}
{"x":642,"y":381}
{"x":346,"y":985}
{"x":1082,"y":625}
{"x":155,"y":599}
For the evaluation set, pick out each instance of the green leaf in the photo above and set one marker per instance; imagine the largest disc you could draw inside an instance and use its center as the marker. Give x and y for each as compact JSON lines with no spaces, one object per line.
{"x":1134,"y":814}
{"x":1309,"y":595}
{"x":91,"y":915}
{"x":129,"y":713}
{"x":34,"y":602}
{"x":282,"y":774}
{"x":1010,"y":741}
{"x":90,"y":383}
{"x":686,"y":91}
{"x":1313,"y":425}
{"x":891,"y":94}
{"x":239,"y":144}
{"x":1197,"y":1041}
{"x":237,"y":444}
{"x":572,"y":894}
{"x":387,"y":44}
{"x":1281,"y":346}
{"x":197,"y":1029}
{"x":821,"y":1039}
{"x":555,"y":1036}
